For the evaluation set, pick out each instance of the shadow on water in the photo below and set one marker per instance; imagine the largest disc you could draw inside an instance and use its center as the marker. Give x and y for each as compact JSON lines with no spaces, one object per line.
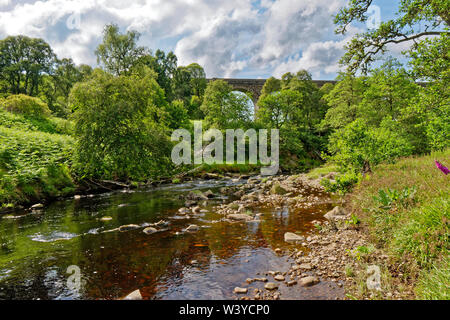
{"x":37,"y":248}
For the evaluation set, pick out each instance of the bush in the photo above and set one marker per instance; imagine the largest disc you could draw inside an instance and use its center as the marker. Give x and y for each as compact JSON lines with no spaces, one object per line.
{"x":26,"y":105}
{"x":118,"y":124}
{"x":342,"y":184}
{"x":33,"y":165}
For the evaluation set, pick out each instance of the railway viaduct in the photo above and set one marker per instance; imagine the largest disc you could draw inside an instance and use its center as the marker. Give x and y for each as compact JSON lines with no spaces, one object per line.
{"x":254,"y":86}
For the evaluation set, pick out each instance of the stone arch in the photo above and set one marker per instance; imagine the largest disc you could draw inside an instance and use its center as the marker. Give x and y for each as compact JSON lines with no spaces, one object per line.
{"x":252,"y":94}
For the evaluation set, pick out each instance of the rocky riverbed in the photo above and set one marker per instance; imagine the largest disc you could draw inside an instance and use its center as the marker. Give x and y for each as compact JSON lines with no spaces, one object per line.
{"x":235,"y":237}
{"x":322,"y":257}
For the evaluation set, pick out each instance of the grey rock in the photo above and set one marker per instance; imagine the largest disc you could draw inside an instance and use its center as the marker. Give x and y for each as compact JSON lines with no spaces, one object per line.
{"x":292,"y":237}
{"x":308,"y":281}
{"x":239,"y":217}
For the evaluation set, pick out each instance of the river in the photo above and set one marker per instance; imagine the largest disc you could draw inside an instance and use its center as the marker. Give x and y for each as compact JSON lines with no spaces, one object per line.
{"x":37,"y":248}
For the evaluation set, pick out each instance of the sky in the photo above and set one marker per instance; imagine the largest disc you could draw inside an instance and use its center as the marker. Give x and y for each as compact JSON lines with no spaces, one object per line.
{"x":229,"y":38}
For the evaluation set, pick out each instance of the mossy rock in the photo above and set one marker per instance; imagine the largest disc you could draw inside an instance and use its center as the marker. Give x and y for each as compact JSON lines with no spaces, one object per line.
{"x":277,"y":189}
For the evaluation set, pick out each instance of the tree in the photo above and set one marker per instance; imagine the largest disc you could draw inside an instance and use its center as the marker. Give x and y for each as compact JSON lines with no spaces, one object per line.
{"x":223,"y":108}
{"x":165,"y":66}
{"x":279,"y":109}
{"x":189,"y":86}
{"x":415,"y":20}
{"x":388,"y":90}
{"x":343,"y":101}
{"x":118,"y":122}
{"x":271,"y":85}
{"x":118,"y":53}
{"x":360,"y":147}
{"x":23,"y":62}
{"x":55,"y":88}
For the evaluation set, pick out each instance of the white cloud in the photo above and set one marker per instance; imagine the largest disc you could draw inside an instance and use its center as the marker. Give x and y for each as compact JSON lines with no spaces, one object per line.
{"x":229,"y":38}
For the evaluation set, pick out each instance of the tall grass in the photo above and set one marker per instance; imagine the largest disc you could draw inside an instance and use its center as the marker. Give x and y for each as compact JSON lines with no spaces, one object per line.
{"x":406,"y":208}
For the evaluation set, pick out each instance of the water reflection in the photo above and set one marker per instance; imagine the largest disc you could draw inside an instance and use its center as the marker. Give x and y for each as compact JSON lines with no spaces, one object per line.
{"x":37,"y":248}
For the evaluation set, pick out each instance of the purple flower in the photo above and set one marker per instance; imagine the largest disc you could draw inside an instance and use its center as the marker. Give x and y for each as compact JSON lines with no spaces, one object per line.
{"x":441,"y":167}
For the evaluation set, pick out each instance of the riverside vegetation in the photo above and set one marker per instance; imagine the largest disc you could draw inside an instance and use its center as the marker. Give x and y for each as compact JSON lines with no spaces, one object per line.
{"x":371,"y":138}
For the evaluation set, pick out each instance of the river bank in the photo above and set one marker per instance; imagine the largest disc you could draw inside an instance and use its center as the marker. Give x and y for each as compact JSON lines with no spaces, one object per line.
{"x":235,"y":236}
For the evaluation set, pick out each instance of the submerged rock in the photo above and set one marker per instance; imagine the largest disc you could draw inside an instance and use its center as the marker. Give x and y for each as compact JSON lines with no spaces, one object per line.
{"x":128,"y":227}
{"x":150,"y":230}
{"x":239,"y":217}
{"x":192,"y":228}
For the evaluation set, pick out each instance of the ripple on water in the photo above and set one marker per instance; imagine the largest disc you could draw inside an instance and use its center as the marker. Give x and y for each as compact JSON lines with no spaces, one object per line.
{"x":52,"y":237}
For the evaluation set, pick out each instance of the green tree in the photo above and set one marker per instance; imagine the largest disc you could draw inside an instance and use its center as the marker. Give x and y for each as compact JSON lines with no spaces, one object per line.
{"x":118,"y":124}
{"x":223,"y":108}
{"x":118,"y":53}
{"x":414,"y":21}
{"x":271,"y":85}
{"x":23,"y":62}
{"x":360,"y":147}
{"x":279,"y":109}
{"x":343,"y":101}
{"x":57,"y":85}
{"x":388,"y":90}
{"x":165,"y":66}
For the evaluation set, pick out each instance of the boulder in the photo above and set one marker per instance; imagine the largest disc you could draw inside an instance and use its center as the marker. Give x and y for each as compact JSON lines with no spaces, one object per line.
{"x":239,"y":217}
{"x":240,"y":290}
{"x":192,"y":228}
{"x":277,"y":189}
{"x":150,"y":230}
{"x":271,"y":286}
{"x":305,"y":266}
{"x":279,"y":277}
{"x":196,"y":195}
{"x":135,"y":295}
{"x":336,"y":213}
{"x":209,"y":194}
{"x":308,"y":281}
{"x":161,"y":223}
{"x":292,"y":237}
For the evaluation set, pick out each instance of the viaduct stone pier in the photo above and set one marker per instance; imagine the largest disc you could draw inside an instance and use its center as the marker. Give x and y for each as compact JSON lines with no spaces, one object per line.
{"x":254,"y":86}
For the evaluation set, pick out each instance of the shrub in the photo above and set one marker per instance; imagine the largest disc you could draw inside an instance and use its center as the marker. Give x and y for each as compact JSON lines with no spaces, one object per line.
{"x":26,"y":105}
{"x":118,"y":124}
{"x":33,"y":165}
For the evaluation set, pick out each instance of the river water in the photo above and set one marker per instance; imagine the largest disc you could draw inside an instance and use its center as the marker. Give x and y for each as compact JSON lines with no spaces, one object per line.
{"x":37,"y":248}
